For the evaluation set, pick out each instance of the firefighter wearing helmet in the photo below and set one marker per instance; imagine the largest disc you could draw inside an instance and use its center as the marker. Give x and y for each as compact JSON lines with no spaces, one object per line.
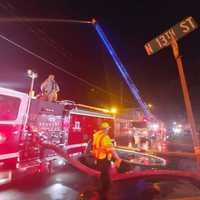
{"x":103,"y":152}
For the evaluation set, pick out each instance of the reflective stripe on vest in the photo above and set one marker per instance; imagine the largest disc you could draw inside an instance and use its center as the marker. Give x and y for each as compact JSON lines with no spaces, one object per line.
{"x":98,"y":147}
{"x":96,"y":144}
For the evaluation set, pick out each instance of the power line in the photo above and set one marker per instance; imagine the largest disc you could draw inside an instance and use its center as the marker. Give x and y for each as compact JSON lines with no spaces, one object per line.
{"x":54,"y":65}
{"x":40,"y":33}
{"x":23,"y":20}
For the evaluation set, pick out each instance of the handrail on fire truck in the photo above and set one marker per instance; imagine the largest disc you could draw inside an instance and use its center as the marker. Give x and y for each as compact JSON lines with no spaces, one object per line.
{"x":106,"y":42}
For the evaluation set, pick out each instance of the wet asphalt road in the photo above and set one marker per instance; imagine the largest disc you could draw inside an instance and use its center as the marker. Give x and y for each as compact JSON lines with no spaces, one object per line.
{"x":65,"y":185}
{"x":70,"y":184}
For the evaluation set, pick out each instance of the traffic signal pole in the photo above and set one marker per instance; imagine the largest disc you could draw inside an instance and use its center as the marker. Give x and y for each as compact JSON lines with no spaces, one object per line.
{"x":187,"y":100}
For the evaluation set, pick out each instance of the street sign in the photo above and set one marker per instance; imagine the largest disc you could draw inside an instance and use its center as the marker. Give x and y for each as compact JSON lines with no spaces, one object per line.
{"x":178,"y":31}
{"x":170,"y":37}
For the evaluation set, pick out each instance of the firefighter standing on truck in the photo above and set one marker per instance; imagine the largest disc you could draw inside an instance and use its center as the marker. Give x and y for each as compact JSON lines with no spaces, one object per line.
{"x":50,"y":89}
{"x":103,"y":152}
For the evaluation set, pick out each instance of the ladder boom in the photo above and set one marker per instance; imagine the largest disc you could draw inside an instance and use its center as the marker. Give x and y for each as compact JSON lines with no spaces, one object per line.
{"x":123,"y":71}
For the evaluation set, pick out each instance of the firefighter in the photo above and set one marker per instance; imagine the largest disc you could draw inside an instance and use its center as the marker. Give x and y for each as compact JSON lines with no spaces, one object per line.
{"x":103,"y":152}
{"x":50,"y":88}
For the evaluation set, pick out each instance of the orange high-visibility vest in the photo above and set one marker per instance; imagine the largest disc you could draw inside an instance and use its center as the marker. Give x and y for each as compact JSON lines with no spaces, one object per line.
{"x":101,"y":145}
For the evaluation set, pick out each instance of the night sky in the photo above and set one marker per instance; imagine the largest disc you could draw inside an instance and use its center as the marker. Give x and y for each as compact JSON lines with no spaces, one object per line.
{"x":78,"y":50}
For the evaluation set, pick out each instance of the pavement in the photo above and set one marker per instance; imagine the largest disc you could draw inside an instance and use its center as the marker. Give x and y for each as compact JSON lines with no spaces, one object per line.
{"x":64,"y":185}
{"x":68,"y":184}
{"x":71,"y":184}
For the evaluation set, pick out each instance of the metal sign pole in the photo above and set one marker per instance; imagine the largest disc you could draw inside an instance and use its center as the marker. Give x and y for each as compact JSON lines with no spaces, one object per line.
{"x":187,"y":101}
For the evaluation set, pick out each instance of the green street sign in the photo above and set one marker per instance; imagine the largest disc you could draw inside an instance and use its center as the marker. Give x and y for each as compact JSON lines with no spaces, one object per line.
{"x":178,"y":31}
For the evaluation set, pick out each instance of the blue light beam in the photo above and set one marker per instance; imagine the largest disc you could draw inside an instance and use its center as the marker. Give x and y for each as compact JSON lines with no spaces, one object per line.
{"x":123,"y":71}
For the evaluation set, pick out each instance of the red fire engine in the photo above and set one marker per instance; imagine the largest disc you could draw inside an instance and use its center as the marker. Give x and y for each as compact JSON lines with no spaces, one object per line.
{"x":65,"y":124}
{"x":140,"y":134}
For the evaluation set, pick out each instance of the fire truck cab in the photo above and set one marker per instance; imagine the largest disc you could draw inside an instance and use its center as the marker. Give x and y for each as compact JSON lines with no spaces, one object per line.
{"x":141,"y":135}
{"x":24,"y":119}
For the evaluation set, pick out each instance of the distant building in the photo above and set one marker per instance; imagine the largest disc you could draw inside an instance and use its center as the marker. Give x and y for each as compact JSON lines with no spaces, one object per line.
{"x":131,"y":114}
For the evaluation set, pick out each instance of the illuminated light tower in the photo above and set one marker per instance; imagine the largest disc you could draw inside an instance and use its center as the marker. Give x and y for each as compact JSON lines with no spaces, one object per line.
{"x":33,"y":76}
{"x":113,"y":110}
{"x":150,"y":106}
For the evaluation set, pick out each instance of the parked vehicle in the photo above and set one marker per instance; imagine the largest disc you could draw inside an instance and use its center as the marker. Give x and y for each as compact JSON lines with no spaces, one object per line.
{"x":24,"y":119}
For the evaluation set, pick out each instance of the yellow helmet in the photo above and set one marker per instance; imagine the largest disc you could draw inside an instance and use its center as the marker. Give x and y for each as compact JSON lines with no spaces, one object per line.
{"x":105,"y":125}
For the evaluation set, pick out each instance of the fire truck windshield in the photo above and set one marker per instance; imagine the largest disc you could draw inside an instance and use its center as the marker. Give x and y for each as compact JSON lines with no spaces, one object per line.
{"x":9,"y":107}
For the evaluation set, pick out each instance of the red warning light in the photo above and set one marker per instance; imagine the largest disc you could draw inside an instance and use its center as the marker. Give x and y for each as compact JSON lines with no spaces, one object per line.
{"x":145,"y":119}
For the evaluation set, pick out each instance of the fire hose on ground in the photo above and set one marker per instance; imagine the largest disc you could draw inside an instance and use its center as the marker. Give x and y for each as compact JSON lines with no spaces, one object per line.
{"x":117,"y":176}
{"x":72,"y":161}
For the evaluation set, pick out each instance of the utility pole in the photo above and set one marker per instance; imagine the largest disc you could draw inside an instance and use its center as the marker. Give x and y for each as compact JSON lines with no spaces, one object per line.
{"x":170,"y":38}
{"x":188,"y":106}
